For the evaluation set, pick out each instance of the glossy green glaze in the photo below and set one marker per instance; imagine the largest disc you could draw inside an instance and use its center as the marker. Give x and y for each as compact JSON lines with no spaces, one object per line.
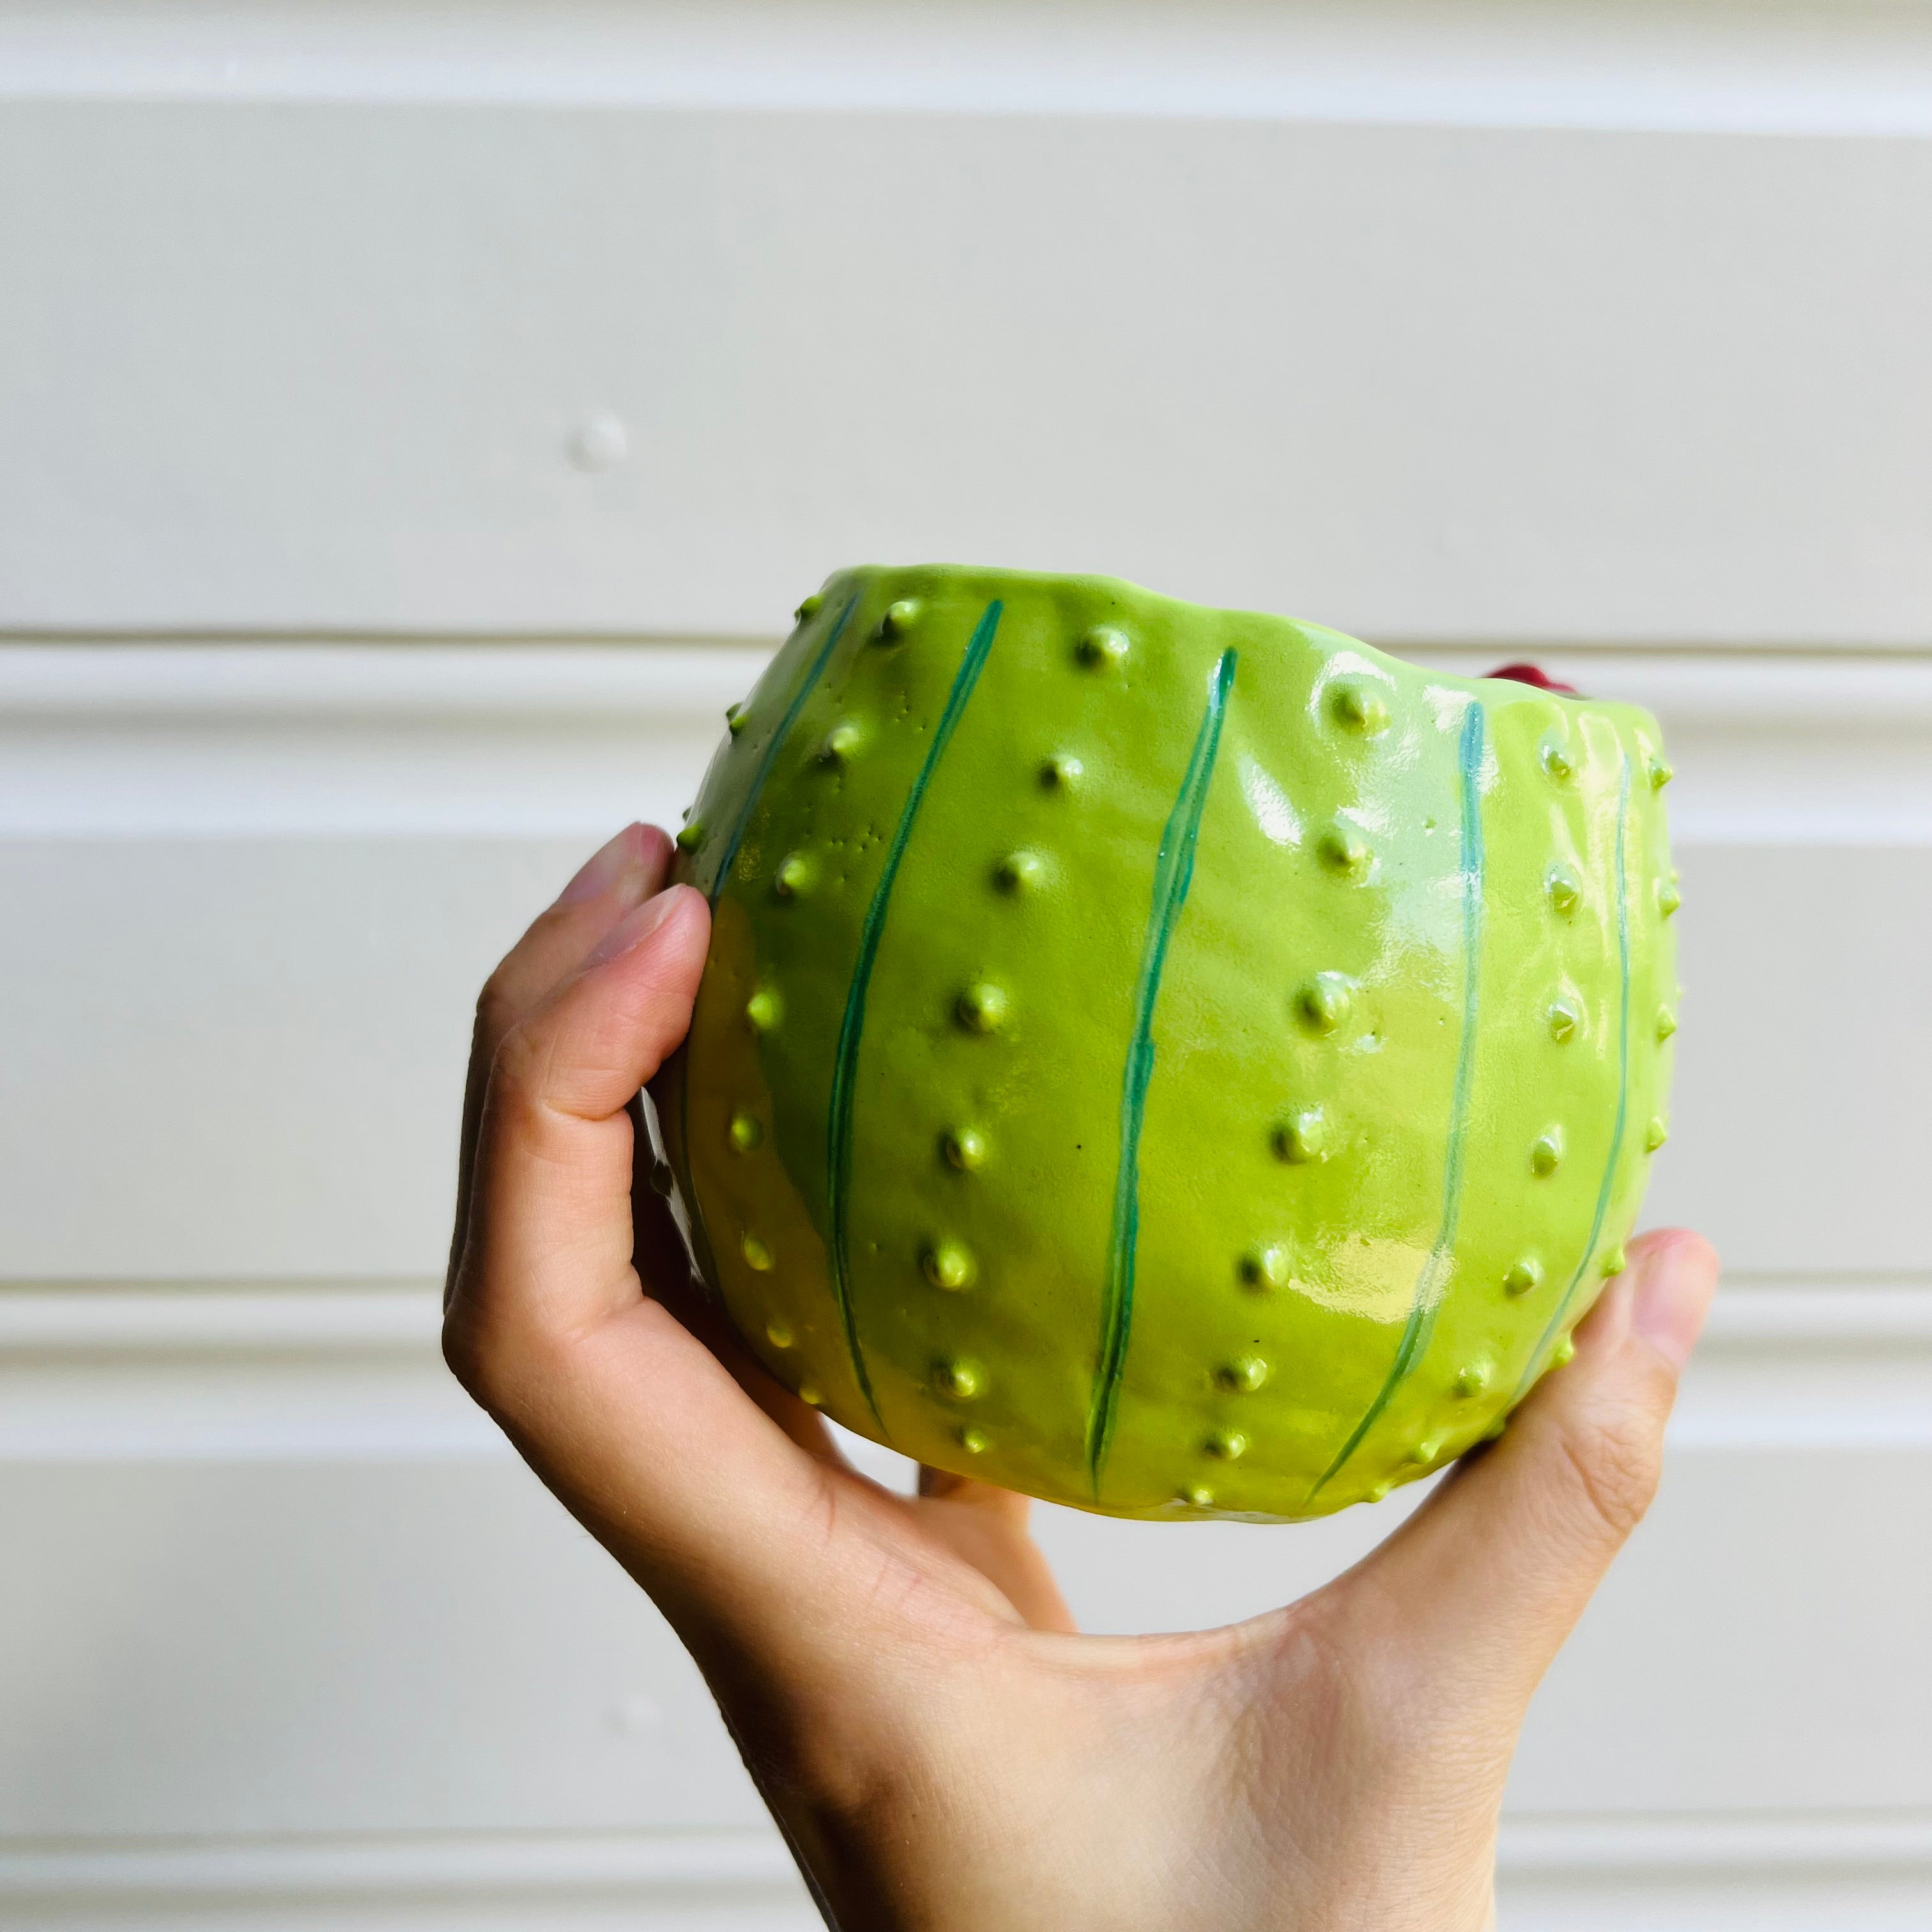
{"x":1175,"y":1062}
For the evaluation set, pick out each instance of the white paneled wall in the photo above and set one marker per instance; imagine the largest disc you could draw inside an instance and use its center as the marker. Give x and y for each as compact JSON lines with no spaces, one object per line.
{"x":414,"y":422}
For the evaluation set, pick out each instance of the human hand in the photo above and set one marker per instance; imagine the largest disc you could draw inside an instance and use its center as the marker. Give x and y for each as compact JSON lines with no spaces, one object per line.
{"x":900,"y":1674}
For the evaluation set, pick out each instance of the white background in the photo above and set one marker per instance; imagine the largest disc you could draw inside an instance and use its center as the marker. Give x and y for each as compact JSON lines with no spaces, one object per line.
{"x":415,"y":423}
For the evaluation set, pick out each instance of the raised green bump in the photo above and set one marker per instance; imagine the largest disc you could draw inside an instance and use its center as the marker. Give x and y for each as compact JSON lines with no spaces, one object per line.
{"x":773,"y":745}
{"x":1292,"y":1236}
{"x":737,"y":719}
{"x":1623,"y":1085}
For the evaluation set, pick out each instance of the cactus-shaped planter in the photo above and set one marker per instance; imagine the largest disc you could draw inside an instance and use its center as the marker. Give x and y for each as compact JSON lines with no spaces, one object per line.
{"x":1174,"y":1062}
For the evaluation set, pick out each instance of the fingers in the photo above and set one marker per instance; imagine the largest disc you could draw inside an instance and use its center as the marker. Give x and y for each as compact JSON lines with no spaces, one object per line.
{"x":1008,"y":1506}
{"x":625,"y":1411}
{"x":987,"y":1526}
{"x":619,"y":876}
{"x":1486,"y":1580}
{"x":633,"y":1408}
{"x":549,"y":1237}
{"x":623,"y":873}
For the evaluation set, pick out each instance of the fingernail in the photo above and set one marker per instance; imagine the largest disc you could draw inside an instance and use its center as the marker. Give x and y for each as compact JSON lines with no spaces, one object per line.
{"x":637,"y":925}
{"x":1673,"y":1297}
{"x":604,"y":867}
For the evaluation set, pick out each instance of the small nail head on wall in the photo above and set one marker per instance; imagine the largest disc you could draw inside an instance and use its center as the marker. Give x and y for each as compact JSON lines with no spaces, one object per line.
{"x":600,"y":441}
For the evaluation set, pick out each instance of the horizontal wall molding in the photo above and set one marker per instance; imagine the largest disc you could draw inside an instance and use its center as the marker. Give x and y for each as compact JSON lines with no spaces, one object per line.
{"x":572,"y":676}
{"x":484,"y":1865}
{"x":227,"y":1318}
{"x":1808,"y":1312}
{"x":467,"y":1865}
{"x":310,"y":1370}
{"x":564,"y":741}
{"x":1802,"y":68}
{"x":338,"y":682}
{"x":1580,"y":1847}
{"x":235,"y":1372}
{"x":299,"y":1317}
{"x":508,"y":739}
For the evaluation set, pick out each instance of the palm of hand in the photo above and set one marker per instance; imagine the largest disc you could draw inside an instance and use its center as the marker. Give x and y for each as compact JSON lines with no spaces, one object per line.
{"x":1287,"y":1771}
{"x":901,"y":1673}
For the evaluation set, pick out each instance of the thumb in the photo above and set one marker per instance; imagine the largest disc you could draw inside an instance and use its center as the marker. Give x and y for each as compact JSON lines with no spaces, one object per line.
{"x":549,"y":1239}
{"x":1489,"y":1576}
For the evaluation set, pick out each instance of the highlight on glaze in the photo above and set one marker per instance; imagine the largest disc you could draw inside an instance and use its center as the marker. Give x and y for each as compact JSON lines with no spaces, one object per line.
{"x":1430,"y":1282}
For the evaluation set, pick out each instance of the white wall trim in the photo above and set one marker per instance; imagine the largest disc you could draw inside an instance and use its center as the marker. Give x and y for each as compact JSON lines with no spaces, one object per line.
{"x":108,"y":1372}
{"x":1802,"y":1312}
{"x":1796,"y":1842}
{"x":169,"y":1318}
{"x":1812,"y":68}
{"x":334,"y":682}
{"x":467,"y":738}
{"x":465,"y":1863}
{"x":648,"y":1863}
{"x":1795,"y":1312}
{"x":332,"y":679}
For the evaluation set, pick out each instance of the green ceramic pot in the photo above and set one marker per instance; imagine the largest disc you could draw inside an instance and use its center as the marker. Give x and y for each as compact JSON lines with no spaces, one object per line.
{"x":1175,"y":1062}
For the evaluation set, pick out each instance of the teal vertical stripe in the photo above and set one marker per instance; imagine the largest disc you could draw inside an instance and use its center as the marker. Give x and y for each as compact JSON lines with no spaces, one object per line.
{"x":700,"y":1233}
{"x":852,"y":1027}
{"x":1173,"y":874}
{"x":1426,"y":1299}
{"x":1623,"y":1086}
{"x":773,"y":745}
